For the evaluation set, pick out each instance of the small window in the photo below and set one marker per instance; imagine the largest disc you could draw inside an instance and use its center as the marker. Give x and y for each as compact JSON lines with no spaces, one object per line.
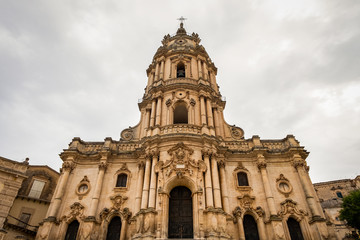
{"x":180,"y":114}
{"x":180,"y":71}
{"x":36,"y":189}
{"x":242,"y":179}
{"x":24,"y":220}
{"x":339,"y":194}
{"x":121,"y":180}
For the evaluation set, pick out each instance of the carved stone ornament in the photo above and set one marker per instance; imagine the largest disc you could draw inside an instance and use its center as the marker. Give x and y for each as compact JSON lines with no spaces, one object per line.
{"x":76,"y":211}
{"x":283,"y":185}
{"x":180,"y":163}
{"x":240,"y":166}
{"x":106,"y":214}
{"x":165,"y":39}
{"x":192,"y":102}
{"x":246,"y":201}
{"x":290,"y":207}
{"x":261,"y":163}
{"x":196,"y":38}
{"x":127,"y":134}
{"x":237,"y":133}
{"x":103,"y":166}
{"x":168,"y":102}
{"x":83,"y":188}
{"x":118,"y":201}
{"x":237,"y":212}
{"x":68,"y":165}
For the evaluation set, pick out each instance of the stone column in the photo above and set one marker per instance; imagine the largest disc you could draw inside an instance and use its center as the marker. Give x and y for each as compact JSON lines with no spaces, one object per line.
{"x":145,"y":193}
{"x":205,"y":73}
{"x":268,"y":194}
{"x":215,"y":182}
{"x":224,"y":188}
{"x":153,"y":181}
{"x":147,"y":119}
{"x":67,"y":167}
{"x":300,"y":165}
{"x":217,"y":122}
{"x":157,"y":72}
{"x":162,"y":70}
{"x":151,"y":80}
{"x":208,"y":184}
{"x":202,"y":110}
{"x":237,"y":215}
{"x":200,"y":69}
{"x":98,"y":187}
{"x":158,"y":112}
{"x":123,"y":229}
{"x":153,"y":109}
{"x":221,"y":121}
{"x":168,"y":105}
{"x":209,"y":113}
{"x":139,"y":186}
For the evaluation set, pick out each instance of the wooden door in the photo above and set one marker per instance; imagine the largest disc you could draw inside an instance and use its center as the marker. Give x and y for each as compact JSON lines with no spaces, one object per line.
{"x":180,"y":213}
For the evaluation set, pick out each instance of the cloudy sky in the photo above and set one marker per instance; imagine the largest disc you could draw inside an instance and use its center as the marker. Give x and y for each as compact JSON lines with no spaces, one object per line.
{"x":77,"y":69}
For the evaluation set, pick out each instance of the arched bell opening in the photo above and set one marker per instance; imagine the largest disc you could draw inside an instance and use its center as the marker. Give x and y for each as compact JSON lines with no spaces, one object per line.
{"x":180,"y":213}
{"x":250,"y":228}
{"x":72,"y":230}
{"x":181,"y":113}
{"x":114,"y":229}
{"x":180,"y":70}
{"x":294,"y":229}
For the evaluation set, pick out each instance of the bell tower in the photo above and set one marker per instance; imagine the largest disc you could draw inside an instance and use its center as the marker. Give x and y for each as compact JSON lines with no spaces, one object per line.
{"x":181,"y":93}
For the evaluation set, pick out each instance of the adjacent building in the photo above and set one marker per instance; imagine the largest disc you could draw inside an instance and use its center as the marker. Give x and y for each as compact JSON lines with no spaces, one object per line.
{"x":330,"y":195}
{"x":183,"y":171}
{"x":12,"y":174}
{"x":31,"y":203}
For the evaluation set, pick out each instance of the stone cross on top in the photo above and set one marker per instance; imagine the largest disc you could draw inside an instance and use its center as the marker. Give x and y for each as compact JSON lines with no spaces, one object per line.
{"x":182,"y":19}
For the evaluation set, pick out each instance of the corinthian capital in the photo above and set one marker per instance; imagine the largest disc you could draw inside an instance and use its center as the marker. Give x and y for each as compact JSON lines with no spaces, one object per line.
{"x":68,"y":166}
{"x":103,"y":165}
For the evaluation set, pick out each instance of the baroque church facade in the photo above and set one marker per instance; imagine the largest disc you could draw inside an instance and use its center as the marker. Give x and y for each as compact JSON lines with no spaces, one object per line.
{"x":182,"y":171}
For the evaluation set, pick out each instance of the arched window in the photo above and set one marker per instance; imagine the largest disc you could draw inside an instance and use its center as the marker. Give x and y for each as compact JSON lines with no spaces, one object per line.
{"x":121,"y":180}
{"x":180,"y":70}
{"x":250,"y":228}
{"x":180,"y":114}
{"x":294,"y":229}
{"x":242,"y":179}
{"x":72,"y":230}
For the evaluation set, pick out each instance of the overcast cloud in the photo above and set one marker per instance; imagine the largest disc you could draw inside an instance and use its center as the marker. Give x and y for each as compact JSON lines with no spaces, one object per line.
{"x":77,"y":69}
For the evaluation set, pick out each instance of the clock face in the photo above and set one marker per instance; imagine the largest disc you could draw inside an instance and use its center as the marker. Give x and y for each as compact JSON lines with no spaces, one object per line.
{"x":83,"y":188}
{"x":284,"y":187}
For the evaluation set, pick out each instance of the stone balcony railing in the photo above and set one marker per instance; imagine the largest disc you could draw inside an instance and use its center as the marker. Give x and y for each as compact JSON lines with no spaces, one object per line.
{"x":275,"y":146}
{"x":180,"y":80}
{"x":180,"y":128}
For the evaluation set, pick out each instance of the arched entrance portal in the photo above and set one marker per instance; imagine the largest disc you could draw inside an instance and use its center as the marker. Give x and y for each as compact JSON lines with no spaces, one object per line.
{"x":294,"y":229}
{"x":72,"y":230}
{"x":114,"y":229}
{"x":180,"y":213}
{"x":250,"y":228}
